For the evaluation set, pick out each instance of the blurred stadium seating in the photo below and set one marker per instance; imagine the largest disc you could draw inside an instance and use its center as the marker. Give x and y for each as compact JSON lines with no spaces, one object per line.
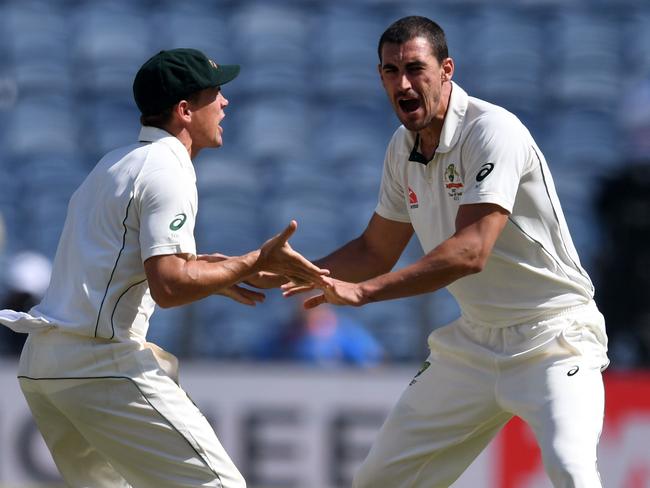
{"x":307,"y":123}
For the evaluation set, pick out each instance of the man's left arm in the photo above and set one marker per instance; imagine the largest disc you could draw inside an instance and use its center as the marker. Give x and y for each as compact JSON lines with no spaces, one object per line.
{"x":478,"y":226}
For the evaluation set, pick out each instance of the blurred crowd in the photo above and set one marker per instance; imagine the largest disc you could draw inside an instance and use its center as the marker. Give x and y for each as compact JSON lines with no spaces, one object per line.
{"x":304,"y":138}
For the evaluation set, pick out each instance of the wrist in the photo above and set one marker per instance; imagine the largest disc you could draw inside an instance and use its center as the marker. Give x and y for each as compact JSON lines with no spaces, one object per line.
{"x":254,"y":260}
{"x":366,"y":293}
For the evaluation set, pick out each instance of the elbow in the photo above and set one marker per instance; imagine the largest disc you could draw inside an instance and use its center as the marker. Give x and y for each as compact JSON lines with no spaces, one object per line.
{"x":472,"y":263}
{"x":167,"y":279}
{"x":164,"y":303}
{"x":164,"y":297}
{"x":473,"y":267}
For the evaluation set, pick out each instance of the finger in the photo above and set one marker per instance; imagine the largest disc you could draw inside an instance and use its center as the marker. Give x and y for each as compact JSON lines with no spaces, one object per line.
{"x":315,"y":270}
{"x":305,"y":269}
{"x":318,"y":282}
{"x":266,"y":280}
{"x":295,"y":284}
{"x":288,"y":232}
{"x":297,"y":290}
{"x":314,"y":302}
{"x":249,"y":294}
{"x":305,"y":279}
{"x":242,"y":299}
{"x":294,"y":258}
{"x":294,"y":281}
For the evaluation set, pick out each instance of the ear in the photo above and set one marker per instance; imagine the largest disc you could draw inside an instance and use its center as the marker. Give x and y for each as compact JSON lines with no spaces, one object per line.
{"x":447,"y":66}
{"x":381,"y":73}
{"x":183,"y":111}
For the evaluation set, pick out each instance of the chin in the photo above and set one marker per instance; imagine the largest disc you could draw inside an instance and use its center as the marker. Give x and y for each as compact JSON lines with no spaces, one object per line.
{"x":413,"y":126}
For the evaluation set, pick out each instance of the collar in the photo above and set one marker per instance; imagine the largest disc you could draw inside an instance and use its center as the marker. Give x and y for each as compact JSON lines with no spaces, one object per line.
{"x":451,"y":127}
{"x":154,"y":134}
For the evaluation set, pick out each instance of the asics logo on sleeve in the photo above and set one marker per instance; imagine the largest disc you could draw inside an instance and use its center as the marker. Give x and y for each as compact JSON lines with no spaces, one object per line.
{"x":179,"y":220}
{"x":486,"y":169}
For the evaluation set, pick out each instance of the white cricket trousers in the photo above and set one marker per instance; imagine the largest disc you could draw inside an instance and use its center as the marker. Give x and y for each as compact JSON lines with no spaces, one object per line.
{"x":112,"y":417}
{"x":476,"y":379}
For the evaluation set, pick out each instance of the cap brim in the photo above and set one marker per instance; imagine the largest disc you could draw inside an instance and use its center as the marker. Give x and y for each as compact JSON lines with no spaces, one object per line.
{"x":225,"y":73}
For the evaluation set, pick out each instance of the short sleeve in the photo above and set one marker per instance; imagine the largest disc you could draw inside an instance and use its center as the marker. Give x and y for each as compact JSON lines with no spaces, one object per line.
{"x":167,"y":204}
{"x":392,"y":199}
{"x":495,"y":156}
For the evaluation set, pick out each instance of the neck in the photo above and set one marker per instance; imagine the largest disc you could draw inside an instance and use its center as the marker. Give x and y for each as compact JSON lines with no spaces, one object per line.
{"x":183,"y":135}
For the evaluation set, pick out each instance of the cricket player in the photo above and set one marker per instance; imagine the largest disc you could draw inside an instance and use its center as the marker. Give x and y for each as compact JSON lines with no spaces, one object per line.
{"x":106,"y":401}
{"x":467,"y":177}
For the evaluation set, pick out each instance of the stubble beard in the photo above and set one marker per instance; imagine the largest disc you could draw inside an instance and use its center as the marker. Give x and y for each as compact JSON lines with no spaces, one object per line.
{"x":415,"y":125}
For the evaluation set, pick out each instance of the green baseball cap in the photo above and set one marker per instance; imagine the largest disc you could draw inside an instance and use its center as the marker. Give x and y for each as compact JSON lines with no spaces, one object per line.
{"x":170,"y":76}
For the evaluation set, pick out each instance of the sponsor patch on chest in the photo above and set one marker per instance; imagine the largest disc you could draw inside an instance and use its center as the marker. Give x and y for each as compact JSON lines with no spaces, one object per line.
{"x":413,"y":198}
{"x":453,"y":182}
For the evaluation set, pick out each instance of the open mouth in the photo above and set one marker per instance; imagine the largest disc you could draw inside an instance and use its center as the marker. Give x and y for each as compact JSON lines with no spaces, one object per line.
{"x":409,"y":105}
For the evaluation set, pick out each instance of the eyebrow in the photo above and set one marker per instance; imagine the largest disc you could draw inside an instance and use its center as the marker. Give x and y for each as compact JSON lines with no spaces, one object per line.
{"x":412,"y":64}
{"x":416,"y":64}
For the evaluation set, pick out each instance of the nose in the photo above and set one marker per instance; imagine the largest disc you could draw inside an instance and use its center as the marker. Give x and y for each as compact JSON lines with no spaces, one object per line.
{"x":404,"y":82}
{"x":224,"y":100}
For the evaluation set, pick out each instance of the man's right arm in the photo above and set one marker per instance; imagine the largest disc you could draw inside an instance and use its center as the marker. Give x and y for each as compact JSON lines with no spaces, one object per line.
{"x":373,"y":253}
{"x":176,"y":279}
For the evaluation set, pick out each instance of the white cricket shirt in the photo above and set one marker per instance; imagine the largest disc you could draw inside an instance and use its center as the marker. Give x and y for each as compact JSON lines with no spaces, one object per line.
{"x":486,"y":155}
{"x":139,"y":201}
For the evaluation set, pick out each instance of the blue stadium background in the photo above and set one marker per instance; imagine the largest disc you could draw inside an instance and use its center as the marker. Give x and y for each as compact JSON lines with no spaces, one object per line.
{"x":307,"y":124}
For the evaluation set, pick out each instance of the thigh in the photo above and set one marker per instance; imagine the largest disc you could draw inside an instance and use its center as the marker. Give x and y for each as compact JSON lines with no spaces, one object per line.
{"x":563,"y":402}
{"x":79,"y":463}
{"x":442,"y":421}
{"x":149,"y":430}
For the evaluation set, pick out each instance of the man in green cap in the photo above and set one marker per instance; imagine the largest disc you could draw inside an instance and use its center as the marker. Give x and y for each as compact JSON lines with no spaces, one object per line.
{"x":107,"y":402}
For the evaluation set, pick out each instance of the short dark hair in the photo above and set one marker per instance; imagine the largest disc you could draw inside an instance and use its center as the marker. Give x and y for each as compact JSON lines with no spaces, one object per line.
{"x":162,"y":118}
{"x":159,"y":120}
{"x":408,"y":28}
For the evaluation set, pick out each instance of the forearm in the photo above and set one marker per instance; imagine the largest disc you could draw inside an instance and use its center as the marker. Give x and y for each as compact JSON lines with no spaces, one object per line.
{"x":464,"y":253}
{"x":175,"y":280}
{"x":354,"y":262}
{"x":200,"y":278}
{"x":442,"y":266}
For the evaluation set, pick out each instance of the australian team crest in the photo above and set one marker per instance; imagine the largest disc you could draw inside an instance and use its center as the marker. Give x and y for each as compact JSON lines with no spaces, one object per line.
{"x":453,"y":182}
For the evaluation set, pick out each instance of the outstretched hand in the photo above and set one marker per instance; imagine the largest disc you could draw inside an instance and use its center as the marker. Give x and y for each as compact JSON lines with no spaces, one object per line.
{"x":277,"y":256}
{"x":335,"y":292}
